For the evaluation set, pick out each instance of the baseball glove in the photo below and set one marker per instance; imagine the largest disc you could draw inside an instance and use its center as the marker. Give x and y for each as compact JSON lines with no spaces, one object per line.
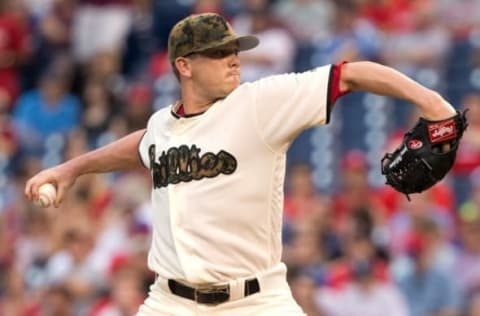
{"x":426,"y":154}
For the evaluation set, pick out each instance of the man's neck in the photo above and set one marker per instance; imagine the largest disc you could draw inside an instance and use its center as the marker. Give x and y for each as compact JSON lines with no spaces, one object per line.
{"x":195,"y":104}
{"x":192,"y":108}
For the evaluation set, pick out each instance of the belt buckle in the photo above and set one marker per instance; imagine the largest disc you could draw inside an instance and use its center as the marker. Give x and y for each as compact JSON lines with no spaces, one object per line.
{"x":212,"y":295}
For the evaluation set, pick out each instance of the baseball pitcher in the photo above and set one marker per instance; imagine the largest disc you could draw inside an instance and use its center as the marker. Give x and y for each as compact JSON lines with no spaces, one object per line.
{"x":217,"y":163}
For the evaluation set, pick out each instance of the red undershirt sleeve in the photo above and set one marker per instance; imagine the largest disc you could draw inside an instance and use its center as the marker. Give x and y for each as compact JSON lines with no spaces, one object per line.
{"x":334,"y":85}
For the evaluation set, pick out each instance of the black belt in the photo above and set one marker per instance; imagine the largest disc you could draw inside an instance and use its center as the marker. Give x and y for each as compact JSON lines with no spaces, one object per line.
{"x":211,"y":296}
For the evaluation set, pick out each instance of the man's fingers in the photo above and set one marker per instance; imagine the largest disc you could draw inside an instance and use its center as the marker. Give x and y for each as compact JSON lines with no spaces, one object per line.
{"x":446,"y":147}
{"x":28,"y":188}
{"x":31,"y":189}
{"x":32,"y":186}
{"x":61,"y":189}
{"x":54,"y":176}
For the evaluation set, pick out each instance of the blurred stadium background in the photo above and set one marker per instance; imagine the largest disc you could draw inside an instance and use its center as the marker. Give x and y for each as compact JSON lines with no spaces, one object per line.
{"x":77,"y":74}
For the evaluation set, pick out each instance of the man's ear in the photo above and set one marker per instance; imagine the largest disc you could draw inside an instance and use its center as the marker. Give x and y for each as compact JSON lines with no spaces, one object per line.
{"x":184,"y":67}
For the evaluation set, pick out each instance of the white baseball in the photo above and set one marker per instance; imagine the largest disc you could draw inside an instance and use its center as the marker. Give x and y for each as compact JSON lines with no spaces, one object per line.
{"x":46,"y":195}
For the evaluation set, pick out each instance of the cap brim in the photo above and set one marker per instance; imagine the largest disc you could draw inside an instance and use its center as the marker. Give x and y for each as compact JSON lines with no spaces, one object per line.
{"x":244,"y":43}
{"x":247,"y":42}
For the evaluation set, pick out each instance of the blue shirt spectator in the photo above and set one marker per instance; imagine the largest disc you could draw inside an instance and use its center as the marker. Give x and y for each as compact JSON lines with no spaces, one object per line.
{"x":47,"y":119}
{"x":45,"y":111}
{"x":429,"y":293}
{"x":352,"y":38}
{"x":428,"y":288}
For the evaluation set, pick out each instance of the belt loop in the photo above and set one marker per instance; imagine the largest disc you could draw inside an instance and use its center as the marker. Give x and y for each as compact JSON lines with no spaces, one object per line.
{"x":237,"y":288}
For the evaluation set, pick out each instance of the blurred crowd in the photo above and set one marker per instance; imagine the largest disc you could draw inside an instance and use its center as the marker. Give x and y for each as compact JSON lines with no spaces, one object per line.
{"x":78,"y":74}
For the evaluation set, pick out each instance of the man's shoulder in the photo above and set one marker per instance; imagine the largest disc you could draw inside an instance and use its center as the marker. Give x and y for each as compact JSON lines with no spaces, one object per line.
{"x":161,"y":113}
{"x":320,"y":70}
{"x":251,"y":86}
{"x":270,"y":80}
{"x":160,"y":116}
{"x":243,"y":88}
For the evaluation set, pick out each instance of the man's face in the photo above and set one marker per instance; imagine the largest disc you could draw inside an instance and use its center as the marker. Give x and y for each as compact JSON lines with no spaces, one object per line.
{"x":216,"y":72}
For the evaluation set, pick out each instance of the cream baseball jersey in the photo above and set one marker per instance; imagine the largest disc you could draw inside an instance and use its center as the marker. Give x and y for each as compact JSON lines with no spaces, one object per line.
{"x":218,"y":177}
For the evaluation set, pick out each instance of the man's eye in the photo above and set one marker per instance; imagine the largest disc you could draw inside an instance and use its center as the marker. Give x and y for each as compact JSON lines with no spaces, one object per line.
{"x":232,"y":52}
{"x":222,"y":53}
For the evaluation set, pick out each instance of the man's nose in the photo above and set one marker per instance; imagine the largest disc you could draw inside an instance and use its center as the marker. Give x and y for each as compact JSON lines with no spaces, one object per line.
{"x":233,"y":60}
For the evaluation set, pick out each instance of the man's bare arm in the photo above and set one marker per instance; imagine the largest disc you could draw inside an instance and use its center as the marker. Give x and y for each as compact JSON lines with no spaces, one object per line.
{"x":119,"y":155}
{"x":383,"y":80}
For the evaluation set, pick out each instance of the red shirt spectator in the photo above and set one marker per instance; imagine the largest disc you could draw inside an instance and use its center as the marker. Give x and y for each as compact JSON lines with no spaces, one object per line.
{"x":14,"y":43}
{"x":468,"y":156}
{"x":394,"y":15}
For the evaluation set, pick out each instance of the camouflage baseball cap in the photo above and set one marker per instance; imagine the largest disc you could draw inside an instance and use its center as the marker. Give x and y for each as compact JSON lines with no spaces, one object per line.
{"x":199,"y":32}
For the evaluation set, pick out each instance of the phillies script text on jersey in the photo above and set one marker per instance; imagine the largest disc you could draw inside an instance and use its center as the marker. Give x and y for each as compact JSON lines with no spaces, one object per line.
{"x":185,"y":164}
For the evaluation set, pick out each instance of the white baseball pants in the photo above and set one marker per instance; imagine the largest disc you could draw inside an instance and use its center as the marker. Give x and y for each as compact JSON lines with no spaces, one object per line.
{"x":274,"y":298}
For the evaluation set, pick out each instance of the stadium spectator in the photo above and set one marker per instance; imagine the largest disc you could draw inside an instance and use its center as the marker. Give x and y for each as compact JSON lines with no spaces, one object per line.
{"x":428,"y":290}
{"x":301,"y":196}
{"x":126,"y":291}
{"x":141,"y":41}
{"x":467,"y":263}
{"x":389,"y":15}
{"x":52,"y":37}
{"x":47,"y":110}
{"x":352,"y":37}
{"x":473,"y":309}
{"x":72,"y":267}
{"x":367,"y":292}
{"x":106,"y":67}
{"x":304,"y":289}
{"x":57,"y":300}
{"x":355,"y":195}
{"x":109,"y":20}
{"x":424,"y":46}
{"x":99,"y":110}
{"x":460,"y":16}
{"x":138,"y":107}
{"x":8,"y":141}
{"x":468,"y":156}
{"x":306,"y":19}
{"x":14,"y":300}
{"x":14,"y":51}
{"x":276,"y":50}
{"x":410,"y":214}
{"x":203,"y":6}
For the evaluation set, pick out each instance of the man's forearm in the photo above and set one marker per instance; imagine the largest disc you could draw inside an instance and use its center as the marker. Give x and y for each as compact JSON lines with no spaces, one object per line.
{"x":382,"y":80}
{"x":119,"y":155}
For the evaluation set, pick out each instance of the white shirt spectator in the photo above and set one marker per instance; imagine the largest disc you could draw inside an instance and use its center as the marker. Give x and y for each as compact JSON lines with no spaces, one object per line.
{"x":99,"y":28}
{"x":274,"y":54}
{"x":353,"y":300}
{"x":307,"y":19}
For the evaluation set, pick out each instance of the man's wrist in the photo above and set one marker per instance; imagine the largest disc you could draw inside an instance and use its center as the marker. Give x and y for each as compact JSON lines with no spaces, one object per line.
{"x":72,"y":168}
{"x":435,"y":107}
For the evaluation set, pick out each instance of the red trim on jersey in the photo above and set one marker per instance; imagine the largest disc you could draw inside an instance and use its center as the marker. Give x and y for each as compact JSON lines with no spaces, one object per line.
{"x":180,"y":110}
{"x":335,"y":92}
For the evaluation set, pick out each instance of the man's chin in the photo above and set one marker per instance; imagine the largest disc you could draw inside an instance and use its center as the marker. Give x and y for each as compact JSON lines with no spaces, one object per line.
{"x":229,"y":90}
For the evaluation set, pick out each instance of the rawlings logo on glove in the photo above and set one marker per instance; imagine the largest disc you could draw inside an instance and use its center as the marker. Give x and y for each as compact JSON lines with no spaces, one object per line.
{"x":426,"y":154}
{"x":442,"y":131}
